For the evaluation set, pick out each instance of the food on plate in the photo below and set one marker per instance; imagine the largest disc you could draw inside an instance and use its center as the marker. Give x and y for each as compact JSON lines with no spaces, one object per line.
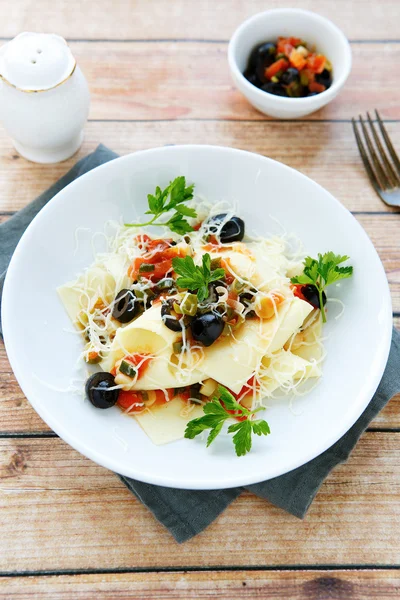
{"x":200,"y":324}
{"x":289,"y":68}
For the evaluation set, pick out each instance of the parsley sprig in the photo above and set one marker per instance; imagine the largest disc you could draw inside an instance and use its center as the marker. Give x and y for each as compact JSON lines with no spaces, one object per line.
{"x":193,"y":277}
{"x":216,"y":413}
{"x":164,"y":201}
{"x":323,"y":272}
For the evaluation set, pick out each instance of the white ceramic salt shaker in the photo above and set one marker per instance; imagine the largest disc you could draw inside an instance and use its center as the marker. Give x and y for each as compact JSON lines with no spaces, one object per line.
{"x":44,"y":97}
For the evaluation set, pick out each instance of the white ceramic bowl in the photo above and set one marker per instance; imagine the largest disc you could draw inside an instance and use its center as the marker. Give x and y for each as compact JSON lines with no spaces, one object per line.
{"x":268,"y":26}
{"x":43,"y":349}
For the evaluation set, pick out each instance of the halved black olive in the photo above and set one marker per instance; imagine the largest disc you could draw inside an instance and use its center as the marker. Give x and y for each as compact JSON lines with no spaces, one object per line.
{"x":98,"y":390}
{"x":232,"y":230}
{"x":325,"y":78}
{"x":169,"y":317}
{"x":310,"y":293}
{"x":126,"y":306}
{"x":207,"y":328}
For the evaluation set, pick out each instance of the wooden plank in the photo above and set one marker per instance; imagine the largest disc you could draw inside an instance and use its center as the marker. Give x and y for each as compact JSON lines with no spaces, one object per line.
{"x":61,"y":511}
{"x":326,"y":152}
{"x":219,"y":585}
{"x":131,"y":19}
{"x":192,"y":81}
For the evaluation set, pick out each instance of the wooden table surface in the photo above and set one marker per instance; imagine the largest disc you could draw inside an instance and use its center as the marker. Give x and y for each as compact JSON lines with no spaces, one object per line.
{"x":158,"y":74}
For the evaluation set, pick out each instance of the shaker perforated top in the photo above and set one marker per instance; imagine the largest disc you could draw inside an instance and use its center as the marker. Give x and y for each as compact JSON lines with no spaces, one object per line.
{"x":36,"y":61}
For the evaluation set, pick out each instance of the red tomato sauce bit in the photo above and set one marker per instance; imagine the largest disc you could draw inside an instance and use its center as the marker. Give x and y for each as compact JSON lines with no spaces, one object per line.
{"x":156,"y":262}
{"x":135,"y":401}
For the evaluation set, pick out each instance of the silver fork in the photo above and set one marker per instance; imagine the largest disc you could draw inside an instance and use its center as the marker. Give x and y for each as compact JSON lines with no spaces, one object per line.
{"x":383,"y":173}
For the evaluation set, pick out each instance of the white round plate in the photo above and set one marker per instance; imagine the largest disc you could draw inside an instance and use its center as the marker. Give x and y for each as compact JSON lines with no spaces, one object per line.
{"x":43,"y":350}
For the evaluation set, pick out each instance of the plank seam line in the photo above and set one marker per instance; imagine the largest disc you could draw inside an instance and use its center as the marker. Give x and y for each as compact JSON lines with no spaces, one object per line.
{"x":25,"y":434}
{"x":190,"y":41}
{"x":193,"y":569}
{"x":228,"y":120}
{"x":9,"y":435}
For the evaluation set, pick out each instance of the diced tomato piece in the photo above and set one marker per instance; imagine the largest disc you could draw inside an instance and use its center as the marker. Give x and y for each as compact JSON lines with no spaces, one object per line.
{"x":279,"y":65}
{"x":295,"y":41}
{"x":160,"y":244}
{"x":161,"y":269}
{"x":296,"y":288}
{"x":284,"y":46}
{"x":132,"y":400}
{"x":314,"y":86}
{"x":142,"y":238}
{"x":316,"y":63}
{"x":197,"y":226}
{"x":297,"y":60}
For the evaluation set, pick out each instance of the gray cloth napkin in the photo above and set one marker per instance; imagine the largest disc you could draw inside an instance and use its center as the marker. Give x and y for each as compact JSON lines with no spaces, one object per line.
{"x":186,"y":512}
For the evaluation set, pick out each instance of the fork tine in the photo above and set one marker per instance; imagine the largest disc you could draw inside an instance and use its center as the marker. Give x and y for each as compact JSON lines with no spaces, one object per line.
{"x":365,"y":159}
{"x":389,"y":145}
{"x":381,"y":175}
{"x":394,"y":178}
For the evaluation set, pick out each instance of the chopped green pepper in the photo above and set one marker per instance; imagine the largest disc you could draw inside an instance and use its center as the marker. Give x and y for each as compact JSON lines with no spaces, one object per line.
{"x":189,"y":305}
{"x":145,"y":268}
{"x":177,"y":347}
{"x":215,"y":264}
{"x":177,"y":308}
{"x":303,"y":78}
{"x":127,"y":369}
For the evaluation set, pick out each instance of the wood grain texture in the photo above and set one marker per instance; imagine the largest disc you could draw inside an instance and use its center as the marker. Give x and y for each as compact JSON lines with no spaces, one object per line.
{"x":218,"y":585}
{"x":326,"y":152}
{"x":172,"y":80}
{"x":204,"y":19}
{"x":61,"y":511}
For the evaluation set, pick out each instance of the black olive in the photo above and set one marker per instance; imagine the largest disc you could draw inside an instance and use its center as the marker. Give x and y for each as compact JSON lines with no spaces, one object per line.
{"x":325,"y":78}
{"x":207,"y":328}
{"x":126,"y":306}
{"x":265,"y":50}
{"x":247,"y":298}
{"x":290,"y":76}
{"x":274,"y":88}
{"x":310,"y":293}
{"x":98,"y":390}
{"x":261,"y":58}
{"x":312,"y":94}
{"x":169,"y":317}
{"x":252,"y":78}
{"x":212,"y":292}
{"x":232,"y":230}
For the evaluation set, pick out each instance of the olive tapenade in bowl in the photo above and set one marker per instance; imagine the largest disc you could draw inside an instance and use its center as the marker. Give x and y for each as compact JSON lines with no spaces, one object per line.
{"x":289,"y":62}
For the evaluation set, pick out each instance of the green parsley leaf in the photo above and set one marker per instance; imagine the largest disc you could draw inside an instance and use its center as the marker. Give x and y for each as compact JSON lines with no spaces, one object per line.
{"x":192,"y":277}
{"x":242,"y":437}
{"x":323,"y":272}
{"x":216,"y":413}
{"x":164,"y":201}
